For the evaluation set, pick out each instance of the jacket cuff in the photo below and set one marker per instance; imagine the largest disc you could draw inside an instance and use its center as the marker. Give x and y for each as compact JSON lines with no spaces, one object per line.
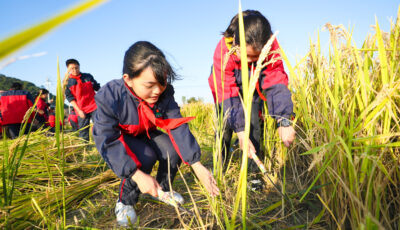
{"x":196,"y":158}
{"x":193,"y":162}
{"x":279,"y":102}
{"x":70,"y":98}
{"x":130,"y":175}
{"x":238,"y":129}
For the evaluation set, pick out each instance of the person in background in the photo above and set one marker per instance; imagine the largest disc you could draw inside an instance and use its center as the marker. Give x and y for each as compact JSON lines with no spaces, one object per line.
{"x":14,"y":105}
{"x":271,"y":87}
{"x":126,"y":135}
{"x":1,"y":118}
{"x":80,"y":91}
{"x":1,"y":126}
{"x":73,"y":120}
{"x":42,"y":108}
{"x":52,"y":119}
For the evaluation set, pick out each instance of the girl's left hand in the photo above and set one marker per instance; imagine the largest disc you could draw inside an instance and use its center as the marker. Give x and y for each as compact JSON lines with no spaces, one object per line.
{"x":241,"y":138}
{"x":287,"y":135}
{"x":80,"y":113}
{"x":206,"y":178}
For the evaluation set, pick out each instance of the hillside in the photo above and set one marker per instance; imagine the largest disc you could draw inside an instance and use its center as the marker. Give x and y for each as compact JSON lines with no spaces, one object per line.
{"x":6,"y":82}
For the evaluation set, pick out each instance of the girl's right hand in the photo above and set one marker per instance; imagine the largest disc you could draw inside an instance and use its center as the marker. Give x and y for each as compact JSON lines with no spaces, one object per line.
{"x":146,"y":183}
{"x":241,"y":138}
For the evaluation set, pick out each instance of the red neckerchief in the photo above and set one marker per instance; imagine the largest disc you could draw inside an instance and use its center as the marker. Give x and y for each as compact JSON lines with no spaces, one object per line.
{"x":259,"y":92}
{"x":78,"y":77}
{"x":147,"y":118}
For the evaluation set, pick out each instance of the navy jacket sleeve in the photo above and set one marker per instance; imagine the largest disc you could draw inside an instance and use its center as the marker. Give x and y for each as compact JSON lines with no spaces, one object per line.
{"x":233,"y":106}
{"x":106,"y":134}
{"x":188,"y":146}
{"x":225,"y":88}
{"x":30,"y":97}
{"x":96,"y":85}
{"x":274,"y":81}
{"x":279,"y":100}
{"x":70,"y":97}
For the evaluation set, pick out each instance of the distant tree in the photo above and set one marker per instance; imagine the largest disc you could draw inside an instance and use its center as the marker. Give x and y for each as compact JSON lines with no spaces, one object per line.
{"x":194,"y":100}
{"x":183,"y":99}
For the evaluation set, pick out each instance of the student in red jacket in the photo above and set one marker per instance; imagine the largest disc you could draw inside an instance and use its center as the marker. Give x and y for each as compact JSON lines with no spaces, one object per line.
{"x":73,"y":120}
{"x":52,"y":120}
{"x":272,"y":85}
{"x":1,"y":126}
{"x":42,"y":108}
{"x":125,"y":130}
{"x":13,"y":106}
{"x":79,"y":91}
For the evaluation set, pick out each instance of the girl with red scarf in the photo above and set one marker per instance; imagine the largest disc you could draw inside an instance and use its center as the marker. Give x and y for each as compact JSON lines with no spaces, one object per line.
{"x":125,"y":130}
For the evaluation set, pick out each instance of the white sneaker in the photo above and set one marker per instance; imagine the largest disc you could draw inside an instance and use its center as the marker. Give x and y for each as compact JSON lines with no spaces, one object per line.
{"x":178,"y":197}
{"x":165,"y":196}
{"x":124,"y":214}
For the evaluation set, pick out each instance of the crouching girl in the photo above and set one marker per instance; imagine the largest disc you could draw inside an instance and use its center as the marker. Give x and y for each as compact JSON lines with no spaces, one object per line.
{"x":129,"y":110}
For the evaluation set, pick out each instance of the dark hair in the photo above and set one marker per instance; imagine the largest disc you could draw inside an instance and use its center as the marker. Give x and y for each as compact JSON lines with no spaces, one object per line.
{"x":43,"y":91}
{"x":16,"y":86}
{"x":143,"y":54}
{"x":256,"y":28}
{"x":71,"y":61}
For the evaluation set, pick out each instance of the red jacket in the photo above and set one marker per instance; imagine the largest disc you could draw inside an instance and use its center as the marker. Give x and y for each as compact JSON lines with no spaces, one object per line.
{"x":44,"y":106}
{"x":52,"y":120}
{"x":81,"y":89}
{"x":14,"y":104}
{"x":228,"y":86}
{"x":73,"y":117}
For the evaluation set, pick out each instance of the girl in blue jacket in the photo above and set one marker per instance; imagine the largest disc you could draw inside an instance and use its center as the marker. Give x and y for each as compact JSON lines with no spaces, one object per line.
{"x":129,"y":110}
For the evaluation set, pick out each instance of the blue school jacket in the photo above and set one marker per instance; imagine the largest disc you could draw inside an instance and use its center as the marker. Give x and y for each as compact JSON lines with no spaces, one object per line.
{"x":120,"y":112}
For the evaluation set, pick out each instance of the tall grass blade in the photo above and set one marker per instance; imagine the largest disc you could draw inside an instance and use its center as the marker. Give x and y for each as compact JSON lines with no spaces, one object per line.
{"x":20,"y":39}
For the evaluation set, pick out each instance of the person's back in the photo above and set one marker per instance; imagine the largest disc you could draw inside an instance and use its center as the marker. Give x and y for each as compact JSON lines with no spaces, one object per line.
{"x":13,"y":105}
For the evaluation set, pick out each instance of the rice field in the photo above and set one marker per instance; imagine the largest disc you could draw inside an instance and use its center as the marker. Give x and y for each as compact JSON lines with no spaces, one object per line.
{"x":342,"y":172}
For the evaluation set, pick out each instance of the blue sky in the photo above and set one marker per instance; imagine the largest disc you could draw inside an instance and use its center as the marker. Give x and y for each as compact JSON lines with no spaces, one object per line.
{"x":186,"y":31}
